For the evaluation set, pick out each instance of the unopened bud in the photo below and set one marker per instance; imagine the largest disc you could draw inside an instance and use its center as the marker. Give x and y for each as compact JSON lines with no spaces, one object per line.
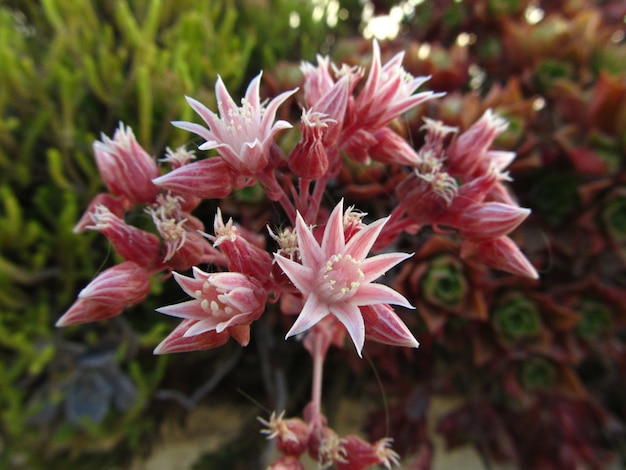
{"x":391,"y":148}
{"x":176,"y":341}
{"x":384,"y":326}
{"x":243,"y":256}
{"x":126,"y":167}
{"x":210,"y":178}
{"x":292,"y":434}
{"x":131,"y":243}
{"x":108,"y":294}
{"x":360,"y":454}
{"x":500,"y":253}
{"x":469,"y":150}
{"x":425,"y":198}
{"x":308,"y":158}
{"x":490,"y":220}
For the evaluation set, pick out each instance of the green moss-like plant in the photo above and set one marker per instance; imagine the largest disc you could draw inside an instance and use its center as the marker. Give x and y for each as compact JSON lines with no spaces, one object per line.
{"x":70,"y":70}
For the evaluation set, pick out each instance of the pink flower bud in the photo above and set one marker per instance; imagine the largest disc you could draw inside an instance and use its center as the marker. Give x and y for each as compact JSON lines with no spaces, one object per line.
{"x":308,"y":158}
{"x":436,"y":136}
{"x":325,"y":447}
{"x":475,"y":190}
{"x":126,"y":168}
{"x":131,"y":243}
{"x":358,"y":454}
{"x":179,"y":157}
{"x":243,"y":256}
{"x":391,"y":148}
{"x":210,"y":178}
{"x":425,"y":198}
{"x":500,"y":253}
{"x":123,"y":284}
{"x":352,"y":222}
{"x":108,"y":294}
{"x":292,"y":434}
{"x":359,"y":144}
{"x":317,"y":80}
{"x":193,"y":251}
{"x":388,"y":92}
{"x":184,"y":245}
{"x":490,"y":220}
{"x":86,"y":311}
{"x":177,"y":341}
{"x":333,"y":105}
{"x":383,"y":325}
{"x":468,"y":151}
{"x":117,"y":205}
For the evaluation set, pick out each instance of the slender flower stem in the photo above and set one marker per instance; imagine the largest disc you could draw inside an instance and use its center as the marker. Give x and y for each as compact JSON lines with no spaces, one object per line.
{"x":316,"y":198}
{"x":304,"y":185}
{"x":277,"y":193}
{"x":288,"y":207}
{"x":316,"y":388}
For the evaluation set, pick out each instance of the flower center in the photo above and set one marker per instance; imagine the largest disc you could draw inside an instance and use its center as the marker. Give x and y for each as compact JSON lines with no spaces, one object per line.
{"x":213,"y":301}
{"x":340,"y":278}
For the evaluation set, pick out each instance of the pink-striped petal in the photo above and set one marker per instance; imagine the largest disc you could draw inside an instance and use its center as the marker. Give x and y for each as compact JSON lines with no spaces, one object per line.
{"x":270,"y":113}
{"x":196,"y":129}
{"x":334,"y":240}
{"x":383,"y":325}
{"x":229,"y":281}
{"x":361,"y":243}
{"x":252,"y":92}
{"x":189,"y":284}
{"x":312,"y":312}
{"x":301,"y":276}
{"x":310,"y":251}
{"x":241,"y":319}
{"x":177,"y":342}
{"x":375,"y":266}
{"x":225,"y":103}
{"x":203,"y":326}
{"x":85,"y":311}
{"x":241,"y":298}
{"x":189,"y":309}
{"x":351,"y":317}
{"x":371,"y":294}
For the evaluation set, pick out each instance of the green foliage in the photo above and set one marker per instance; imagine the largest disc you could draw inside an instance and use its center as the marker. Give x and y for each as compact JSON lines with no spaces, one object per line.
{"x":272,"y":20}
{"x":504,"y":7}
{"x":70,"y":70}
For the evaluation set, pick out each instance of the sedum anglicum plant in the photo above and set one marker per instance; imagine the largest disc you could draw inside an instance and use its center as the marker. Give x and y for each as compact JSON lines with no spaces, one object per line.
{"x":320,"y":265}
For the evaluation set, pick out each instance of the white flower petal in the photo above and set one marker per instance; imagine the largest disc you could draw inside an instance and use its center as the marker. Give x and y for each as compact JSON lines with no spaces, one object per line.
{"x":312,"y":312}
{"x":352,"y":319}
{"x":371,"y":294}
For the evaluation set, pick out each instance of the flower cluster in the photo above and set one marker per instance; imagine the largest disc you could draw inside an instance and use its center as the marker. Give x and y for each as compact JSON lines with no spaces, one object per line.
{"x":320,"y":268}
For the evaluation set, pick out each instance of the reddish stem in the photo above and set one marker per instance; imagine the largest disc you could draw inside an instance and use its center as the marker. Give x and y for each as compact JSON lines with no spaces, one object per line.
{"x":318,"y":354}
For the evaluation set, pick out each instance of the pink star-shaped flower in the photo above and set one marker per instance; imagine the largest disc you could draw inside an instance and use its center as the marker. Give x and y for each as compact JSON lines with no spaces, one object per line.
{"x":220,"y":301}
{"x":388,"y":92}
{"x":241,"y":134}
{"x":335,"y":277}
